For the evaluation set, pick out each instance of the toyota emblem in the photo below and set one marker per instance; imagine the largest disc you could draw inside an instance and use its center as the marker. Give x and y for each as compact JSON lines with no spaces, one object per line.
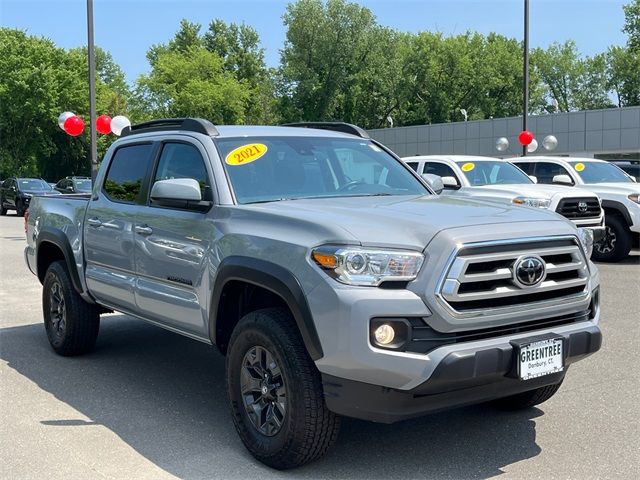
{"x":582,"y":206}
{"x":529,"y":271}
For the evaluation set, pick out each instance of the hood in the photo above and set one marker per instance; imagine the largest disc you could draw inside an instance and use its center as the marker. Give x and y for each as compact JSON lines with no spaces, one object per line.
{"x":535,"y":190}
{"x":408,"y":222}
{"x":613,"y":188}
{"x":41,"y":192}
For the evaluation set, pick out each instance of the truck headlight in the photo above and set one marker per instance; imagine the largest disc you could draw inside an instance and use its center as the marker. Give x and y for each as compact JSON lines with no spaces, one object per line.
{"x":368,"y":267}
{"x":634,"y":197}
{"x":586,"y":238}
{"x":532,"y":202}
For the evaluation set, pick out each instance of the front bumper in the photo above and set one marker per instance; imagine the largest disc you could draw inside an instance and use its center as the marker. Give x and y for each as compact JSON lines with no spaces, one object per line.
{"x":461,"y":378}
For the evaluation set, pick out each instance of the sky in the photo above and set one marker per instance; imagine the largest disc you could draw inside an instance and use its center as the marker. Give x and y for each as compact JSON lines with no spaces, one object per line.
{"x":127,"y":28}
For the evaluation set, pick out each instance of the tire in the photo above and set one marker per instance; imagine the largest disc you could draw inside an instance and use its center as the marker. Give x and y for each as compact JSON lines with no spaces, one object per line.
{"x":528,"y":399}
{"x":19,"y":208}
{"x":298,"y":428}
{"x":3,"y":211}
{"x":616,"y":243}
{"x":71,"y":323}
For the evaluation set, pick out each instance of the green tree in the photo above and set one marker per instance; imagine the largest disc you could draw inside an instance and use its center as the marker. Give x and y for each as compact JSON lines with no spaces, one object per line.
{"x":623,"y":77}
{"x":193,"y":84}
{"x":632,"y":24}
{"x":576,"y":83}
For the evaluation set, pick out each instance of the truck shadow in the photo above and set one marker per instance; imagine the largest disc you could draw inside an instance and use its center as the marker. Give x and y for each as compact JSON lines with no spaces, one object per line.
{"x":164,"y":395}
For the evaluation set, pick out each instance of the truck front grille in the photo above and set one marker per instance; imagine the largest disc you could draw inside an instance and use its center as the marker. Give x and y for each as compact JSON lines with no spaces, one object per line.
{"x":481,"y":279}
{"x":587,"y":207}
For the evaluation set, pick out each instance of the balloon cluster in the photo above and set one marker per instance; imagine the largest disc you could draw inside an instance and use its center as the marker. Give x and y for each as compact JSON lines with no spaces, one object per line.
{"x":527,"y":139}
{"x":73,"y":125}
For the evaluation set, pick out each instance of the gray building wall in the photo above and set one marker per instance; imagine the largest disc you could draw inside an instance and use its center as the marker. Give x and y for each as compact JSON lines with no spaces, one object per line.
{"x":585,"y":133}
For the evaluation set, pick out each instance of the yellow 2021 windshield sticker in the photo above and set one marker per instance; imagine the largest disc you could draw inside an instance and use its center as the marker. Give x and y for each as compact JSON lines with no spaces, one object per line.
{"x":467,"y":167}
{"x":246,"y":154}
{"x":579,"y":167}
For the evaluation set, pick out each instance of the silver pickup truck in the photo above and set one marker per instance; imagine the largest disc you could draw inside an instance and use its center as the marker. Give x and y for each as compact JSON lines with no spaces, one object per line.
{"x":327,"y":271}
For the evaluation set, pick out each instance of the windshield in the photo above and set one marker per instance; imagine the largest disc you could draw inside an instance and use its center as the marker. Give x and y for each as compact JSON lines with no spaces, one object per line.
{"x":486,"y":172}
{"x":83,"y":185}
{"x":264,"y":169}
{"x":600,"y":172}
{"x":33,"y":184}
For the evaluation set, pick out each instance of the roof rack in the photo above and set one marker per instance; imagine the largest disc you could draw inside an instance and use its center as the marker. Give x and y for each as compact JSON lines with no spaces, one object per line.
{"x":199,"y":125}
{"x":335,"y":126}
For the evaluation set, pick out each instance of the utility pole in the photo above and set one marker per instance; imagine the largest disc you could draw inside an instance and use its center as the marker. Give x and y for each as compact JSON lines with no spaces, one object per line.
{"x":525,"y":81}
{"x":92,"y":92}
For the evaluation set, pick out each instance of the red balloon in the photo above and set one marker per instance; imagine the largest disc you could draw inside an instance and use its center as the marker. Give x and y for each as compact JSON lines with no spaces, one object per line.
{"x":74,"y":126}
{"x":525,"y":137}
{"x":103,"y":124}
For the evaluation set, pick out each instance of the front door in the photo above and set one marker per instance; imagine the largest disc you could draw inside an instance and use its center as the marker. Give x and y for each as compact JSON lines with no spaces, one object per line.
{"x":171,"y":247}
{"x":109,"y":224}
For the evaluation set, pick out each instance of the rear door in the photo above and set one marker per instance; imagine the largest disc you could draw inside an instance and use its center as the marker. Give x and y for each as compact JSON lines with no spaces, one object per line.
{"x":109,"y":224}
{"x":171,"y":245}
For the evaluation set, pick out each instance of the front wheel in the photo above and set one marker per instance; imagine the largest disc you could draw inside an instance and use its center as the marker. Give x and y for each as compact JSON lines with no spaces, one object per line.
{"x":20,"y":208}
{"x":276,"y":393}
{"x":3,"y":211}
{"x":616,"y":242}
{"x":71,"y":323}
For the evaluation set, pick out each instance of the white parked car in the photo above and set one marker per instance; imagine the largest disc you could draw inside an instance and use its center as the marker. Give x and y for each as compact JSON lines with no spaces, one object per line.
{"x":619,"y":192}
{"x":493,"y":178}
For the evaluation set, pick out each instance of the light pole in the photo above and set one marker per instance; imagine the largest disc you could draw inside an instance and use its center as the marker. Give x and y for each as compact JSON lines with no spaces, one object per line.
{"x":525,"y":82}
{"x":92,"y":92}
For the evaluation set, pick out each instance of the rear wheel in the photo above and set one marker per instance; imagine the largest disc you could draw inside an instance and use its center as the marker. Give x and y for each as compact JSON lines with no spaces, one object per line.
{"x":616,"y":242}
{"x":528,"y":399}
{"x":276,"y":393}
{"x":3,"y":211}
{"x":71,"y":323}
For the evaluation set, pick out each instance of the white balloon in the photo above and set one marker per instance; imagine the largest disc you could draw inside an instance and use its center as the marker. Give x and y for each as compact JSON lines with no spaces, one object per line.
{"x":533,"y":146}
{"x":63,"y":117}
{"x":550,"y":142}
{"x":118,"y":123}
{"x":502,"y":144}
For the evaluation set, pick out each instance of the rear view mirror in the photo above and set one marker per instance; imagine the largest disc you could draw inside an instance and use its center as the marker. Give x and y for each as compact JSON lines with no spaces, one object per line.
{"x":179,"y":193}
{"x":562,"y":180}
{"x":450,"y":182}
{"x":533,"y":178}
{"x":434,"y":181}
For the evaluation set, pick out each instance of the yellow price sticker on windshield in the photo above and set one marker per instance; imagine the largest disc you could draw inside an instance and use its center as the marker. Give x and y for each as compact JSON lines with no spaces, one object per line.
{"x":579,"y":167}
{"x":246,"y":154}
{"x":467,"y":167}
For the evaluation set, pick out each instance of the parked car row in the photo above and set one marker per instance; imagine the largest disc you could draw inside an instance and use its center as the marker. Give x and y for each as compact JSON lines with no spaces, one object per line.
{"x":593,"y":194}
{"x":335,"y":279}
{"x":16,"y":193}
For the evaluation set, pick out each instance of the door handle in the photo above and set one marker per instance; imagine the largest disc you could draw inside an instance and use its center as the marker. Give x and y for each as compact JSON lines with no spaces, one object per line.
{"x":94,"y":222}
{"x":144,"y":230}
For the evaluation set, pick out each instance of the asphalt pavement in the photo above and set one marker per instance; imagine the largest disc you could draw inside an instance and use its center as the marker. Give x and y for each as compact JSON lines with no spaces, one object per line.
{"x":150,"y":404}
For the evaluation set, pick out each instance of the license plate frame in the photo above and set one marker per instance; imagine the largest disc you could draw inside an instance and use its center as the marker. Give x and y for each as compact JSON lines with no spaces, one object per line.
{"x":540,"y":357}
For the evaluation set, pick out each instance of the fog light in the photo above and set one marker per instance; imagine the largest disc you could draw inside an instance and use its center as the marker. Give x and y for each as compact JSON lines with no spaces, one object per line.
{"x":385,"y":334}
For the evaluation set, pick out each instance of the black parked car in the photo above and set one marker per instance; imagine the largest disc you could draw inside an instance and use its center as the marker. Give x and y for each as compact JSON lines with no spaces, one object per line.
{"x":632,"y":167}
{"x":16,"y":193}
{"x":74,"y":185}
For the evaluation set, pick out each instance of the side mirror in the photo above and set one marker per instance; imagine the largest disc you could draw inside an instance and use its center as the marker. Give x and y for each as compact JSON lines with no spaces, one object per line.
{"x":562,"y":180}
{"x":533,"y":178}
{"x":179,"y":193}
{"x":450,"y":182}
{"x":434,"y":181}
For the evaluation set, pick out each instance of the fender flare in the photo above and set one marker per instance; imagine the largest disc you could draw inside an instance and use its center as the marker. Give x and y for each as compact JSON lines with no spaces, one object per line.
{"x":274,"y":278}
{"x":618,"y":207}
{"x":58,"y":238}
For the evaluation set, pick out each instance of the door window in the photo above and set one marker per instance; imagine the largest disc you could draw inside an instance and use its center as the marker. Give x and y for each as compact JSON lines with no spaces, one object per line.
{"x":440,"y":169}
{"x":127,"y":172}
{"x":180,"y":160}
{"x":545,"y":171}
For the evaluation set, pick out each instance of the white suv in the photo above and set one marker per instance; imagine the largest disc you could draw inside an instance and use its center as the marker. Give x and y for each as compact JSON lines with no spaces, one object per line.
{"x":493,"y":178}
{"x":619,"y":192}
